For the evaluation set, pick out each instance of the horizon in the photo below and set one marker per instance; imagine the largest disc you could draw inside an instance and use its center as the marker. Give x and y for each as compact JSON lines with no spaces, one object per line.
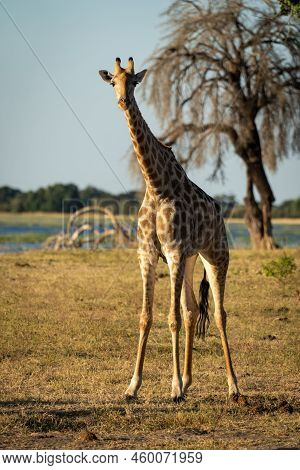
{"x":61,"y":123}
{"x":135,"y":190}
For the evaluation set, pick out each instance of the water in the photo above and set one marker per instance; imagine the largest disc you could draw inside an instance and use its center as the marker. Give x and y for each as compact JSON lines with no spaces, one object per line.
{"x":13,"y":231}
{"x":238,"y":237}
{"x":284,"y":234}
{"x":20,"y":229}
{"x":17,"y":247}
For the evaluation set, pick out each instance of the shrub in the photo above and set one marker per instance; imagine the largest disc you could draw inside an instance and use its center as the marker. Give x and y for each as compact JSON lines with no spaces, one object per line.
{"x":281,"y":268}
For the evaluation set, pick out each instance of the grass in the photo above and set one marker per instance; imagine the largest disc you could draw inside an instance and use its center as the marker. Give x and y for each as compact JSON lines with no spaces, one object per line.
{"x":48,"y":219}
{"x":27,"y":237}
{"x":69,"y":331}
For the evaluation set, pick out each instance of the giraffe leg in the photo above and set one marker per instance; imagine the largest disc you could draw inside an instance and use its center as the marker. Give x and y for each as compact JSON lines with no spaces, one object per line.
{"x":217,"y":276}
{"x":148,"y":266}
{"x":176,"y":265}
{"x":190,"y":315}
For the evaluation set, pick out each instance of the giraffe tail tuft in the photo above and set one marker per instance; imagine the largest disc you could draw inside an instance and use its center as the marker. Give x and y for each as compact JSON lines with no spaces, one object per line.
{"x":203,"y":319}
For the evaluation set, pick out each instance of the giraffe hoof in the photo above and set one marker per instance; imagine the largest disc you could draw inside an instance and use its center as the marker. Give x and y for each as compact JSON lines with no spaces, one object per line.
{"x":240,"y":399}
{"x":179,"y":399}
{"x":234,"y":397}
{"x":131,"y":398}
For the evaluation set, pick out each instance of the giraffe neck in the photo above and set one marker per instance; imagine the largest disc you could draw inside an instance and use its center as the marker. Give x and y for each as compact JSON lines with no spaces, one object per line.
{"x":157,"y":162}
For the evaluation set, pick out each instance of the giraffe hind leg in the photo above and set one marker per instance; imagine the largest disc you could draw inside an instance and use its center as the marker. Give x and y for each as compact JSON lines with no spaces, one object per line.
{"x":217,"y":276}
{"x":190,"y":315}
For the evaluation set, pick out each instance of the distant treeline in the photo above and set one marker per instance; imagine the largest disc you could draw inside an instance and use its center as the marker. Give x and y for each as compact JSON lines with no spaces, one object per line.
{"x":68,"y":197}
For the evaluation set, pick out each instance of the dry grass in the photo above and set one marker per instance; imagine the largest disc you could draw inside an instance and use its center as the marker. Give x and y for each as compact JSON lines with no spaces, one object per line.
{"x":69,"y":330}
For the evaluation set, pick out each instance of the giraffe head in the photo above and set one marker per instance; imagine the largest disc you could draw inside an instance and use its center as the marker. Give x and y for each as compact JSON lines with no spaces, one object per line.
{"x":123,"y":81}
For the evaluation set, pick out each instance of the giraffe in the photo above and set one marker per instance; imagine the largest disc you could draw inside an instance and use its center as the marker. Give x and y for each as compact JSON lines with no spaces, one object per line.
{"x":177,"y":222}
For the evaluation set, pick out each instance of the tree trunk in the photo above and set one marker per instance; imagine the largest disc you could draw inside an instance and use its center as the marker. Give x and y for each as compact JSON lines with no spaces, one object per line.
{"x":253,"y":216}
{"x":258,"y":218}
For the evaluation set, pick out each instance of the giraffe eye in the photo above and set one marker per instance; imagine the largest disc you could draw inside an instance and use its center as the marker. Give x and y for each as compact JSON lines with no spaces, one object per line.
{"x":112,"y":83}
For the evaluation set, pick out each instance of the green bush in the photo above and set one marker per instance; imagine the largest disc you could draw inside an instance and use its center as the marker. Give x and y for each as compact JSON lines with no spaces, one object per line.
{"x":281,"y":268}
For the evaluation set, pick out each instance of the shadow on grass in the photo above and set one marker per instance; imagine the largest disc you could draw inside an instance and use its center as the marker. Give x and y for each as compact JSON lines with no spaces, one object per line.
{"x":35,"y":401}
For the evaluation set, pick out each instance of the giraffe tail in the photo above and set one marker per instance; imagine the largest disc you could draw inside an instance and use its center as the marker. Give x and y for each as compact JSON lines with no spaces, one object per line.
{"x":203,"y":319}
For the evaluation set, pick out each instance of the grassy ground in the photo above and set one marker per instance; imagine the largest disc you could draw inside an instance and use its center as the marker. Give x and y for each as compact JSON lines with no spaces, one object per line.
{"x":58,"y":219}
{"x":48,"y":219}
{"x":27,"y":237}
{"x":69,"y":330}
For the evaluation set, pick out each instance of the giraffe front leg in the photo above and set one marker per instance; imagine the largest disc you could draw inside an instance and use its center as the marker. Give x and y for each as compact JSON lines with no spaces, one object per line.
{"x":176,"y":266}
{"x":148,"y":265}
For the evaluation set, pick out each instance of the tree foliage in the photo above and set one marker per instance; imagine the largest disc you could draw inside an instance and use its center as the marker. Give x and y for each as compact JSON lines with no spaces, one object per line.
{"x":66,"y":198}
{"x":223,"y":66}
{"x":290,"y":7}
{"x":53,"y":198}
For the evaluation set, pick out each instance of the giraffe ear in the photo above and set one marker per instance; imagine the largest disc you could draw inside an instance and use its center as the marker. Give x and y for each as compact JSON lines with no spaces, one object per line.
{"x":105,"y":75}
{"x":139,"y":76}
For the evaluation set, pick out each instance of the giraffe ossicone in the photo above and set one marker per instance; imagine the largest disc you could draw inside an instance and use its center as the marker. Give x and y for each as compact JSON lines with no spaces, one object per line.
{"x":178,"y":222}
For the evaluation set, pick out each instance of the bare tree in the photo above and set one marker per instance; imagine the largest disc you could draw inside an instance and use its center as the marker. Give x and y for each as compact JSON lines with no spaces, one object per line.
{"x":227,"y":77}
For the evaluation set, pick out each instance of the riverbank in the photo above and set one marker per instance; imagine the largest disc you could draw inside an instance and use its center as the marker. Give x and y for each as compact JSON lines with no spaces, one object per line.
{"x":27,"y":231}
{"x":58,"y":219}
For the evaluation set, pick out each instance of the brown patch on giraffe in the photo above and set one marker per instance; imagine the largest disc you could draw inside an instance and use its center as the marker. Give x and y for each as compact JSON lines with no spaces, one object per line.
{"x":143,"y":211}
{"x":160,"y":223}
{"x":176,"y":186}
{"x":153,"y":155}
{"x":183,"y":231}
{"x":187,"y":185}
{"x":178,"y":172}
{"x":166,"y":193}
{"x":157,"y":182}
{"x":170,"y":231}
{"x":146,"y":161}
{"x":187,"y":198}
{"x":163,"y":237}
{"x":176,"y":219}
{"x":159,"y":167}
{"x":152,"y":173}
{"x":152,"y":217}
{"x":183,"y":217}
{"x":152,"y":203}
{"x":168,"y":212}
{"x":144,"y":224}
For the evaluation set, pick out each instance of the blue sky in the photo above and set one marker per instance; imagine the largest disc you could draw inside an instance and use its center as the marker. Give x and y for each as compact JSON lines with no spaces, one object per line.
{"x":42,"y":141}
